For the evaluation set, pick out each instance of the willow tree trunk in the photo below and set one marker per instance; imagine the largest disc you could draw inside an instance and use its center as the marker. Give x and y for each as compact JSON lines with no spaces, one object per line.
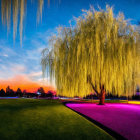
{"x":102,"y":97}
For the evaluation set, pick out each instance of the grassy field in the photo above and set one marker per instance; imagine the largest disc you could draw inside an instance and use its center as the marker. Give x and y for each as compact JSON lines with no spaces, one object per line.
{"x":24,"y":119}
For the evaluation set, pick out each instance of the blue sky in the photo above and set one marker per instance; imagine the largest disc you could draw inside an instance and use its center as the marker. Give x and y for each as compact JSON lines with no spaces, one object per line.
{"x":16,"y":60}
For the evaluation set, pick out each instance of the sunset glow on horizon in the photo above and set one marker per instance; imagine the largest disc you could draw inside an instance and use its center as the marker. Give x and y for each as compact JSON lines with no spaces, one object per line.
{"x":24,"y":83}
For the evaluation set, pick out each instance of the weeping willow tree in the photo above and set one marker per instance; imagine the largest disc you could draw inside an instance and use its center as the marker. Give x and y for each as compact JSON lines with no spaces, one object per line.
{"x":100,"y":54}
{"x":15,"y":10}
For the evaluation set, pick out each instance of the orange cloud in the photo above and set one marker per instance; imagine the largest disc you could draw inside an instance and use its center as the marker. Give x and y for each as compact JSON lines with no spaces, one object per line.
{"x":24,"y":83}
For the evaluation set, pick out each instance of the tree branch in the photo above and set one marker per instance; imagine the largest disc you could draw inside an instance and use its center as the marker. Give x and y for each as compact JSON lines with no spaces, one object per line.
{"x":89,"y":80}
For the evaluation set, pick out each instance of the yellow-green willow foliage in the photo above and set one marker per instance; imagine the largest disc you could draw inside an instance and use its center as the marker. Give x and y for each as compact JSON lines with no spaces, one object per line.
{"x":101,"y":47}
{"x":17,"y":9}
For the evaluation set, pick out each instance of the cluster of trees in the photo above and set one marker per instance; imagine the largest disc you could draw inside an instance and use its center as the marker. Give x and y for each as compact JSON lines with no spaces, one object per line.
{"x":49,"y":94}
{"x":100,"y":54}
{"x":11,"y":93}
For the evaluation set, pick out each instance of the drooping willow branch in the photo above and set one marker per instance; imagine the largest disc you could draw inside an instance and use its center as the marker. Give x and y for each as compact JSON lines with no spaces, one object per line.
{"x":17,"y":9}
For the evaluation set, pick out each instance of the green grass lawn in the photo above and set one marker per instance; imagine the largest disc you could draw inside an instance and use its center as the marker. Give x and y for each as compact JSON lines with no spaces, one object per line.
{"x":30,"y":119}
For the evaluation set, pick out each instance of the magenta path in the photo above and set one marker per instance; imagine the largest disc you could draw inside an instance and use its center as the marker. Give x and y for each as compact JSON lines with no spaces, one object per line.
{"x":122,"y":118}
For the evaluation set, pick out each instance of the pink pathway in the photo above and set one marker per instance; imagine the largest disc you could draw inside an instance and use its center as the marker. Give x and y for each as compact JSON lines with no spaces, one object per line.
{"x":121,"y":118}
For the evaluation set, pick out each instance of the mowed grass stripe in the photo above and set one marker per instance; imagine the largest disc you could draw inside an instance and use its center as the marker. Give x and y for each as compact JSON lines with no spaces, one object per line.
{"x":32,"y":119}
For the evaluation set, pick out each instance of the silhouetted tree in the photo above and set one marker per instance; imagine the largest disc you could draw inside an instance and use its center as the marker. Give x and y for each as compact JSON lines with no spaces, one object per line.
{"x":24,"y":92}
{"x":41,"y":90}
{"x":12,"y":93}
{"x":49,"y":94}
{"x":19,"y":92}
{"x":8,"y":91}
{"x":2,"y":93}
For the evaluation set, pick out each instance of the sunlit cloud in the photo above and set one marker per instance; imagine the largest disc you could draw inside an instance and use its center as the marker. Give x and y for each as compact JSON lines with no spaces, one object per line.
{"x":5,"y":55}
{"x":19,"y":68}
{"x":35,"y":74}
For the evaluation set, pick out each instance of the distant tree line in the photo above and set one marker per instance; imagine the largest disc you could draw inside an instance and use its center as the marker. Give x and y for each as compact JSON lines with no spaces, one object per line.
{"x":136,"y":96}
{"x":19,"y":93}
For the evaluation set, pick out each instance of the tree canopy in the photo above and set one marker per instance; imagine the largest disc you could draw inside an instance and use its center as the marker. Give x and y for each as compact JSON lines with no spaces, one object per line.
{"x":101,"y":50}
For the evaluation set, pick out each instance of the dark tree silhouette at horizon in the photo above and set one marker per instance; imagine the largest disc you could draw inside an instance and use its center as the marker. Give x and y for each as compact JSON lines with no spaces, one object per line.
{"x":19,"y":92}
{"x":41,"y":90}
{"x":2,"y":93}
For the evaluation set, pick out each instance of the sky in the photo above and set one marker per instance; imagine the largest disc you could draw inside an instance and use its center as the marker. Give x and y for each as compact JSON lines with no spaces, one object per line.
{"x":20,"y":65}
